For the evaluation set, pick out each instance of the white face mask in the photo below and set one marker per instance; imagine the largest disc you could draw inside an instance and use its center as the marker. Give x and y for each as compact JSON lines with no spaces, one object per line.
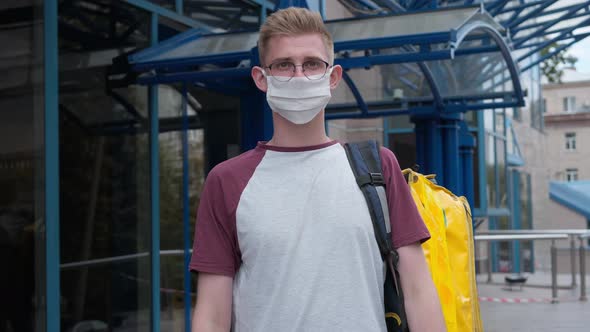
{"x":300,"y":99}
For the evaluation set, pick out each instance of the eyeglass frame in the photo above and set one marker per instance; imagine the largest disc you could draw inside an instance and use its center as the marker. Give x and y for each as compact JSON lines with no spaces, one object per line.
{"x":328,"y":66}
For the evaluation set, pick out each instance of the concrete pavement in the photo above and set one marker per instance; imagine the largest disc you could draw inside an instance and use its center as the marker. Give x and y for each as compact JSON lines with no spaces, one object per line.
{"x":530,"y":309}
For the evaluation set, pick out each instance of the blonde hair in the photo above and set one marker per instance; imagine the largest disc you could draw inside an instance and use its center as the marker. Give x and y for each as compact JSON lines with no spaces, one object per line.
{"x":294,"y":21}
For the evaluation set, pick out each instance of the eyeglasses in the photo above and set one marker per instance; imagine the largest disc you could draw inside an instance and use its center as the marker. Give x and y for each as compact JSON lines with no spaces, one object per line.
{"x":312,"y":69}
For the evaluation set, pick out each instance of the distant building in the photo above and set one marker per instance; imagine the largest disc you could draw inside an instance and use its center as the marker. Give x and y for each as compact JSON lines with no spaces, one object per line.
{"x":558,"y":156}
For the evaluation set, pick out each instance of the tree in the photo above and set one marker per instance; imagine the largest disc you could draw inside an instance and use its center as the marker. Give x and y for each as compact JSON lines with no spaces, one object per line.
{"x":553,"y":66}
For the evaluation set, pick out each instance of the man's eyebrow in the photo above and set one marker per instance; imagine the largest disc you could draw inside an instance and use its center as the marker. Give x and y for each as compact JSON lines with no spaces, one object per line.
{"x":313,"y":58}
{"x":282,"y":59}
{"x":306,"y":58}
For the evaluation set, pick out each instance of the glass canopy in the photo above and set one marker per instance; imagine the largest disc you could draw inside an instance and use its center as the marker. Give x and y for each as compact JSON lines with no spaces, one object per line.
{"x":400,"y":62}
{"x":445,"y":25}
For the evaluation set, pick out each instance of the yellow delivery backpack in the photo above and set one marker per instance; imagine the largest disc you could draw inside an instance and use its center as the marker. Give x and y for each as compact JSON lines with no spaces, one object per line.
{"x":449,"y":252}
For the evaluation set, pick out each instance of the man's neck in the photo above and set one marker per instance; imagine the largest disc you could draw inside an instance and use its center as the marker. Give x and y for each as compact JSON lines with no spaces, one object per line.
{"x":288,"y":134}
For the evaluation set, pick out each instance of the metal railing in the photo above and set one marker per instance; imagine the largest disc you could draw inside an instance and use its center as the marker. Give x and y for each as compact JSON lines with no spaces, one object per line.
{"x":572,"y":233}
{"x":553,"y":235}
{"x":117,"y":259}
{"x":583,"y":238}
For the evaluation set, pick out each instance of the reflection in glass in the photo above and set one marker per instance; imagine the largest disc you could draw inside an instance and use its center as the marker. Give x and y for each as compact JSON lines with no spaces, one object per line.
{"x":404,"y":147}
{"x":491,"y":170}
{"x":476,"y":178}
{"x":172,"y":269}
{"x":105,"y":191}
{"x":388,"y":84}
{"x":502,"y":171}
{"x":470,"y":75}
{"x":505,"y":259}
{"x":526,"y":222}
{"x":399,"y":122}
{"x":22,"y":213}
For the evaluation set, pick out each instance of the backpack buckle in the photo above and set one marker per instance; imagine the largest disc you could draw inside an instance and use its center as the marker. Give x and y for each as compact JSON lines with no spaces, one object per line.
{"x":375,"y":179}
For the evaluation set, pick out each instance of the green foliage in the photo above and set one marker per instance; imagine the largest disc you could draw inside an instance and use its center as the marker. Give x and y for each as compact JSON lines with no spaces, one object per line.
{"x":552,"y":67}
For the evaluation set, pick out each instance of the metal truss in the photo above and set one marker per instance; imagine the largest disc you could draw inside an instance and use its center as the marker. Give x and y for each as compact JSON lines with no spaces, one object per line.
{"x":173,"y":61}
{"x":531,"y":22}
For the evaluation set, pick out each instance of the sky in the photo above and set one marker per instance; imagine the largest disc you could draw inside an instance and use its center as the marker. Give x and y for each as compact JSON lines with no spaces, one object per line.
{"x":581,"y":50}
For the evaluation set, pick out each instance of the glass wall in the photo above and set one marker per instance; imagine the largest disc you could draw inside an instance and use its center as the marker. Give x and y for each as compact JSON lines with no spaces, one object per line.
{"x":22,"y":224}
{"x":104,"y":220}
{"x":401,"y":139}
{"x":526,"y":222}
{"x":172,"y":228}
{"x":495,"y":158}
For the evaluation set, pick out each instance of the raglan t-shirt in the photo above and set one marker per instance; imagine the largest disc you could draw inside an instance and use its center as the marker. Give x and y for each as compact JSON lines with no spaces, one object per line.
{"x":293,"y":229}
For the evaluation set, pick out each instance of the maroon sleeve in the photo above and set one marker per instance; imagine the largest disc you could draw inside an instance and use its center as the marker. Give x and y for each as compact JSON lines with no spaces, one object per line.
{"x":407,"y":226}
{"x":215,"y":247}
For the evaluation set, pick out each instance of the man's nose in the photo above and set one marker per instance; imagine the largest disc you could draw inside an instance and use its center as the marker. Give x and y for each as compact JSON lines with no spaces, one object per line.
{"x":298,"y":71}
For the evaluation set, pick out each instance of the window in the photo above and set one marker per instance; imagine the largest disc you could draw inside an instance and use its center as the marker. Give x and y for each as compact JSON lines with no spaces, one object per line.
{"x":569,"y":104}
{"x":570,"y":141}
{"x":544,"y":105}
{"x":571,"y":174}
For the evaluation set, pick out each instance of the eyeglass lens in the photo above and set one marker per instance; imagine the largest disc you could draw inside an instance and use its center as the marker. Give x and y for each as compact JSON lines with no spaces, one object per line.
{"x":285,"y":70}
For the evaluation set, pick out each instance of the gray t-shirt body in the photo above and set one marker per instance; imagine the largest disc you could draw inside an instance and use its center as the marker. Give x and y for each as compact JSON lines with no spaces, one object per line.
{"x":293,"y":229}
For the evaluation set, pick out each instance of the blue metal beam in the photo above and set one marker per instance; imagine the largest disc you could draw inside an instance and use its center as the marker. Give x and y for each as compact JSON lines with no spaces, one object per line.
{"x":368,"y":4}
{"x":553,"y":40}
{"x":549,"y":24}
{"x":196,"y":76}
{"x":551,"y":12}
{"x":154,"y":132}
{"x":555,"y":51}
{"x":519,"y":8}
{"x":533,"y":13}
{"x":389,"y":42}
{"x":179,"y":6}
{"x":165,"y":46}
{"x":495,"y":7}
{"x":173,"y":15}
{"x":568,"y":34}
{"x":186,"y":211}
{"x":264,"y":3}
{"x":186,"y":62}
{"x":373,"y":114}
{"x":363,"y":62}
{"x":52,"y":304}
{"x":510,"y":64}
{"x":538,"y":24}
{"x":355,"y":92}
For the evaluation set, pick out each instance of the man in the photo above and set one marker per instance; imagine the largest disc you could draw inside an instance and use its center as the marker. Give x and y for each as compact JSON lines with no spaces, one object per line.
{"x":284,"y":240}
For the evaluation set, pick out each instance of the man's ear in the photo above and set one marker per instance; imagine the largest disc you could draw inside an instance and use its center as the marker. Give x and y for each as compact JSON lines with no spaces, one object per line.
{"x":335,"y":76}
{"x":259,"y":78}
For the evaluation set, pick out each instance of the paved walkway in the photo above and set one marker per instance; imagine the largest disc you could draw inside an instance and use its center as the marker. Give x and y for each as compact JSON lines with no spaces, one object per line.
{"x":530,"y":309}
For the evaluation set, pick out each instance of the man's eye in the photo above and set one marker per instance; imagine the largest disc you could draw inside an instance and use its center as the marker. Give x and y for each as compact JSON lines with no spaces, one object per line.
{"x":283,"y":65}
{"x":312,"y":64}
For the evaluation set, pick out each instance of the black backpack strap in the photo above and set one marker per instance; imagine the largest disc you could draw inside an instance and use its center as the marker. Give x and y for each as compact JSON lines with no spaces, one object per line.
{"x":365,"y":162}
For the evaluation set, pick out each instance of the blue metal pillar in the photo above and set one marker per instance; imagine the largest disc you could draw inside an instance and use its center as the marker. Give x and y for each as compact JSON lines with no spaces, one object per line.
{"x":255,"y":119}
{"x":179,"y":6}
{"x":429,"y":147}
{"x":291,"y":3}
{"x":450,"y":133}
{"x":154,"y":190}
{"x":186,"y":212}
{"x":255,"y":114}
{"x":516,"y":222}
{"x":466,"y":148}
{"x":51,"y":137}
